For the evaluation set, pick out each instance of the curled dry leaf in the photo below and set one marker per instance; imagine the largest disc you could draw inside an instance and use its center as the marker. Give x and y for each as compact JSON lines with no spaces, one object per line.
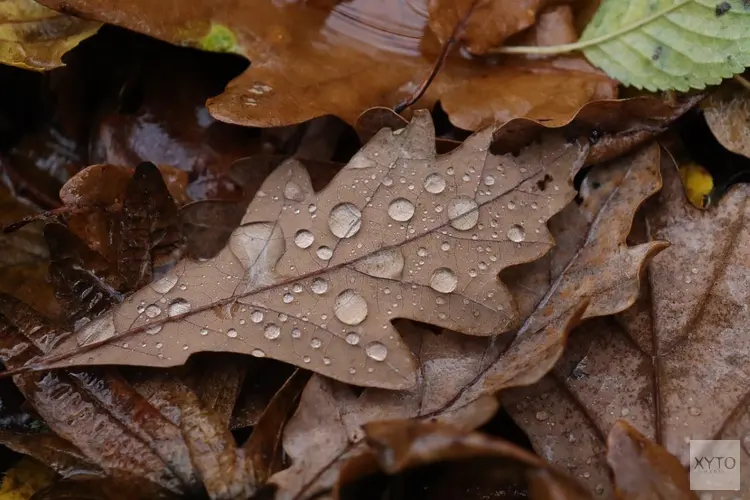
{"x":35,"y":37}
{"x":315,"y":279}
{"x":727,"y":113}
{"x":309,"y":60}
{"x":644,"y":470}
{"x":682,"y":344}
{"x":51,"y":450}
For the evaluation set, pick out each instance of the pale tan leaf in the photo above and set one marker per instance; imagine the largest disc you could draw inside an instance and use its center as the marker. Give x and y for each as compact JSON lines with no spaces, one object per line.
{"x":315,"y":279}
{"x":727,"y":113}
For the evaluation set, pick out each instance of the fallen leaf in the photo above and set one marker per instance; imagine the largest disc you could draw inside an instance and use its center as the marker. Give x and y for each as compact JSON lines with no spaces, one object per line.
{"x":644,"y":470}
{"x":685,"y":334}
{"x":319,"y":287}
{"x":22,"y":480}
{"x":727,"y":113}
{"x":216,"y":379}
{"x":35,"y":37}
{"x":310,"y":60}
{"x":51,"y":450}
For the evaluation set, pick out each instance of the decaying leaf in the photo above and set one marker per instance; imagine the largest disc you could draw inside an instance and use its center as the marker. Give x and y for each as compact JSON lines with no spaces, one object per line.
{"x":314,"y":279}
{"x":670,"y":44}
{"x":22,"y":480}
{"x":458,"y":372}
{"x":644,"y":470}
{"x":35,"y":37}
{"x":727,"y":112}
{"x":340,"y":58}
{"x":680,"y":351}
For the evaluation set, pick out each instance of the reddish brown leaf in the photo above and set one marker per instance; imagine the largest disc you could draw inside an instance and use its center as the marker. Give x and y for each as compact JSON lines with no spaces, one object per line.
{"x":51,"y":450}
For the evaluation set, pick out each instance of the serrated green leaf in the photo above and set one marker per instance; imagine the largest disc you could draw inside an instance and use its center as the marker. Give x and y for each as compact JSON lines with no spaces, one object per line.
{"x":670,"y":44}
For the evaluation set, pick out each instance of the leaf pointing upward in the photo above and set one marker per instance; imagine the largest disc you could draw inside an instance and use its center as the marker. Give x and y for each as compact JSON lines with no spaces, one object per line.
{"x":315,"y":279}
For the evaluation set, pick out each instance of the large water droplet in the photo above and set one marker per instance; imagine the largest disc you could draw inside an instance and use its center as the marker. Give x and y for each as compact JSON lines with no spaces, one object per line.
{"x":345,"y":220}
{"x":319,"y":286}
{"x":316,"y":343}
{"x":443,"y":280}
{"x":352,"y":338}
{"x":153,"y":311}
{"x":434,"y":183}
{"x":304,"y":238}
{"x":324,"y":253}
{"x":350,"y":307}
{"x":271,"y":331}
{"x":165,"y":284}
{"x":256,"y":316}
{"x":376,"y":351}
{"x":154,"y":329}
{"x":516,"y":233}
{"x":385,"y":264}
{"x":293,"y":192}
{"x":178,"y":306}
{"x":463,"y":213}
{"x":401,"y":209}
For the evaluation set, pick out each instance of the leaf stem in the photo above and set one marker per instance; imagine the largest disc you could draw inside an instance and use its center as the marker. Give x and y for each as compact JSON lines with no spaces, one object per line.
{"x":580,"y":45}
{"x":742,"y":81}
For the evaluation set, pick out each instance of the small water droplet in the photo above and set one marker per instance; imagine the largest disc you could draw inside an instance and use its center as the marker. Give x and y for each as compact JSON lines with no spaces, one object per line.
{"x":154,"y":329}
{"x":511,"y":205}
{"x":625,"y":412}
{"x":258,"y":353}
{"x":326,"y":361}
{"x":465,"y":178}
{"x":376,"y":350}
{"x":204,"y":331}
{"x":185,"y":347}
{"x":319,"y":286}
{"x":694,"y":270}
{"x":232,"y":333}
{"x":288,"y":298}
{"x":534,"y":205}
{"x":489,"y":180}
{"x":586,"y":475}
{"x":352,"y":338}
{"x":445,"y":246}
{"x":165,"y":284}
{"x":159,"y":345}
{"x":352,"y":370}
{"x":297,"y":288}
{"x":256,"y":316}
{"x":293,"y":192}
{"x":153,"y":311}
{"x":178,"y":306}
{"x":271,"y":331}
{"x":516,"y":233}
{"x":350,"y":307}
{"x":422,"y":252}
{"x":387,"y":181}
{"x":401,"y":210}
{"x":324,"y":253}
{"x":541,"y":415}
{"x":304,"y":238}
{"x":694,"y":411}
{"x":315,"y":343}
{"x":306,"y":359}
{"x":434,"y":183}
{"x":443,"y":280}
{"x":345,"y":220}
{"x":296,"y":333}
{"x":688,"y":280}
{"x":463,"y":213}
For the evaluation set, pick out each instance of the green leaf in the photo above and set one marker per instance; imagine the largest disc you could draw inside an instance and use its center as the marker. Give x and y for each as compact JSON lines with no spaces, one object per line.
{"x":669,"y":44}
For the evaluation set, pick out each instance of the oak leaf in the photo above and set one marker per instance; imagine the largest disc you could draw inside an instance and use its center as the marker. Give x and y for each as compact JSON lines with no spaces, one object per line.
{"x":315,"y":279}
{"x":727,"y":113}
{"x":310,"y":60}
{"x":682,"y":344}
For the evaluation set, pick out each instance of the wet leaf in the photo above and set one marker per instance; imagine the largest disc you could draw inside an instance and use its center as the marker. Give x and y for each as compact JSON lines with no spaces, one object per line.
{"x":25,"y":478}
{"x":669,"y":44}
{"x":319,"y":287}
{"x":727,"y":113}
{"x":309,"y":60}
{"x":644,"y":470}
{"x":35,"y":37}
{"x":684,"y":335}
{"x":51,"y":450}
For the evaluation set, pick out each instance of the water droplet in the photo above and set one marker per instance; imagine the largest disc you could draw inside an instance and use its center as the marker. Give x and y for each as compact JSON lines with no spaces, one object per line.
{"x":434,"y":183}
{"x":306,"y":359}
{"x":511,"y":205}
{"x":297,"y":288}
{"x":178,"y":306}
{"x":625,"y":412}
{"x":204,"y":331}
{"x":326,"y":361}
{"x":694,"y":270}
{"x":153,"y":311}
{"x":350,"y":307}
{"x":232,"y":333}
{"x":445,"y":246}
{"x":443,"y":280}
{"x":344,"y":221}
{"x":534,"y":205}
{"x":688,"y":280}
{"x":541,"y":415}
{"x":319,"y":286}
{"x":296,"y":333}
{"x":516,"y":233}
{"x":258,"y":353}
{"x":376,"y":350}
{"x":304,"y":238}
{"x":185,"y":347}
{"x":489,"y":180}
{"x":694,"y":411}
{"x":271,"y":331}
{"x":352,"y":338}
{"x":324,"y":253}
{"x":316,"y":343}
{"x":466,"y":178}
{"x":159,"y":345}
{"x":401,"y":209}
{"x":384,"y":264}
{"x":463,"y":213}
{"x":293,"y":192}
{"x":387,"y":181}
{"x":256,"y":316}
{"x":288,"y":298}
{"x":586,"y":475}
{"x":352,"y":371}
{"x":422,"y":252}
{"x":165,"y":284}
{"x":154,"y":329}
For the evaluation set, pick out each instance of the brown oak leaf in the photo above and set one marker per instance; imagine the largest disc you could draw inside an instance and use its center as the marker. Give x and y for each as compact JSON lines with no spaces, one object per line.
{"x":727,"y":113}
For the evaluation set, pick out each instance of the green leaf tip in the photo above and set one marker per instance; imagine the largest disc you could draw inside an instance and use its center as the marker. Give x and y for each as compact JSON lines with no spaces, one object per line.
{"x":219,"y":39}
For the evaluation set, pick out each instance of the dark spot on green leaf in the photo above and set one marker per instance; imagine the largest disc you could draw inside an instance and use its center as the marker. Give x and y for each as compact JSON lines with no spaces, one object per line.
{"x":722,"y":8}
{"x":657,"y":53}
